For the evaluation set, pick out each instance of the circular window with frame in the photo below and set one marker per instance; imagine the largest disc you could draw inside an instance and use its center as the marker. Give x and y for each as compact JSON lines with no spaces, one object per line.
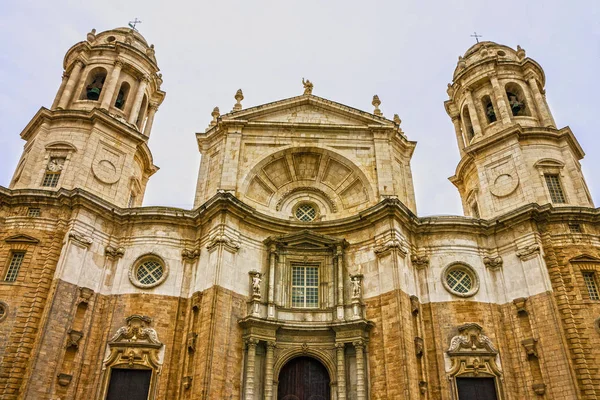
{"x":148,"y":271}
{"x":3,"y":311}
{"x":460,"y":279}
{"x":306,"y":212}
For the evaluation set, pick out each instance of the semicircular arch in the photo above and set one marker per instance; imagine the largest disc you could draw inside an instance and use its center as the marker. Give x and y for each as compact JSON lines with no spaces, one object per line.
{"x":322,"y":357}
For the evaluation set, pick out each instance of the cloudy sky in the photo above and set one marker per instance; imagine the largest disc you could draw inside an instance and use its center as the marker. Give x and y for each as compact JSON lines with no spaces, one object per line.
{"x":404,"y":51}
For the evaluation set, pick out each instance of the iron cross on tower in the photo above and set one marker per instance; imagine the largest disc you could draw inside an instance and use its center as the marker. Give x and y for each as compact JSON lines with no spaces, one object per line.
{"x":133,"y":23}
{"x":476,"y":36}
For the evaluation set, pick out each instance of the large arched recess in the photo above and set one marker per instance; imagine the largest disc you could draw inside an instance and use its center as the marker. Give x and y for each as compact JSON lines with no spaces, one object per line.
{"x":304,"y":378}
{"x":337,"y":184}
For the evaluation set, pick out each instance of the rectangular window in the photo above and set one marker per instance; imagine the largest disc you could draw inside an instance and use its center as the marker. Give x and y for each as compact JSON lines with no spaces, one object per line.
{"x":590,"y":282}
{"x":556,"y":192}
{"x":305,"y":286}
{"x":575,"y":228}
{"x":53,"y":171}
{"x":14,"y":266}
{"x":33,"y":212}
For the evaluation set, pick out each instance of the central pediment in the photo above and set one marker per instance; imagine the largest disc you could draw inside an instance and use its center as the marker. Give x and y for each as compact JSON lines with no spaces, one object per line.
{"x":308,"y":109}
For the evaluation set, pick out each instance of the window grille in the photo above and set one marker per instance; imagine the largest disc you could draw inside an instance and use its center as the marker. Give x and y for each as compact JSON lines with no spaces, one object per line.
{"x":149,"y":272}
{"x":53,"y":171}
{"x":459,"y":281}
{"x":14,"y":266}
{"x":305,"y":286}
{"x":556,"y":192}
{"x":306,"y":212}
{"x":590,"y":282}
{"x":33,"y":212}
{"x":575,"y":228}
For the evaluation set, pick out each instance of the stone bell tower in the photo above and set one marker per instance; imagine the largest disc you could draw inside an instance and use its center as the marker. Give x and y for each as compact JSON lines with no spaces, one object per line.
{"x":95,"y":135}
{"x":512,"y":153}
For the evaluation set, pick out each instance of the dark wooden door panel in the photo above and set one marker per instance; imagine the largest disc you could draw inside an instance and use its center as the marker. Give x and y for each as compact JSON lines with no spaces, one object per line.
{"x":129,"y":384}
{"x":476,"y":389}
{"x":303,"y":378}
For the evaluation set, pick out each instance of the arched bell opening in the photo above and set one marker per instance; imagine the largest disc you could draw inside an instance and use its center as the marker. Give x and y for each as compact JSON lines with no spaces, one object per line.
{"x":468,"y":125}
{"x":488,"y":107}
{"x":516,"y":100}
{"x":94,"y":84}
{"x":142,"y":115}
{"x":304,"y":378}
{"x":122,"y":96}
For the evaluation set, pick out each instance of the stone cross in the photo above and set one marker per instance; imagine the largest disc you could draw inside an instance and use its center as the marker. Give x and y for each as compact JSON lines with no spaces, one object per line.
{"x":133,"y":23}
{"x":476,"y":36}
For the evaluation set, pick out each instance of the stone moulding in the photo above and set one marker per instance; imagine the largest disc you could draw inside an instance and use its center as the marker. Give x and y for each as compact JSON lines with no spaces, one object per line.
{"x":135,"y":343}
{"x":114,"y":252}
{"x":325,"y":196}
{"x":85,"y":295}
{"x":528,"y":252}
{"x":80,"y":239}
{"x":229,"y":243}
{"x":190,"y":254}
{"x":419,"y":261}
{"x":392,"y":244}
{"x":493,"y":263}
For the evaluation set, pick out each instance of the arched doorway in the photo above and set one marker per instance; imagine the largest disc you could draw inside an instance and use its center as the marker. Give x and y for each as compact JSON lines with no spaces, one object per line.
{"x":303,"y":378}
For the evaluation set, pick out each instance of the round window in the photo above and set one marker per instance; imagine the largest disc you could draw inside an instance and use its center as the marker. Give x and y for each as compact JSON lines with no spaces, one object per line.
{"x":148,"y":272}
{"x":460,"y":280}
{"x":3,"y":310}
{"x":306,"y":212}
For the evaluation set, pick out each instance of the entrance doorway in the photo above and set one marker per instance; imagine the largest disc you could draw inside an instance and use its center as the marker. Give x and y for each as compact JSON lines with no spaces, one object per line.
{"x":476,"y":389}
{"x":303,"y":378}
{"x":129,"y":384}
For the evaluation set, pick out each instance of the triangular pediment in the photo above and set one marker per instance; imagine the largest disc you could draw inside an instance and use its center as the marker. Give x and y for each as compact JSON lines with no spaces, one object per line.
{"x":305,"y":239}
{"x":308,"y":109}
{"x":584,"y":258}
{"x":21,"y":239}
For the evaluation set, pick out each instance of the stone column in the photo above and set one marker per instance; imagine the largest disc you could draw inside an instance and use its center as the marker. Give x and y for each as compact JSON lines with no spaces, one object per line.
{"x":459,"y":135}
{"x":73,"y":79}
{"x":152,"y":108}
{"x":505,"y":113}
{"x":65,"y":78}
{"x":271,"y":291}
{"x":269,"y":371}
{"x":137,"y":102}
{"x":250,"y":361}
{"x":341,"y":371}
{"x":540,"y":103}
{"x":109,"y":89}
{"x":340,"y":282}
{"x":359,"y":345}
{"x":473,"y":113}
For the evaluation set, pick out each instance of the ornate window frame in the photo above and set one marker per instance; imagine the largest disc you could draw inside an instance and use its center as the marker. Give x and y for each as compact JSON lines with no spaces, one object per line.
{"x":142,"y":259}
{"x":459,"y":265}
{"x":310,"y":204}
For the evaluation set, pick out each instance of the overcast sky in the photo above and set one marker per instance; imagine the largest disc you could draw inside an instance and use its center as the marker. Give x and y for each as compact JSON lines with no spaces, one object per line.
{"x":404,"y":51}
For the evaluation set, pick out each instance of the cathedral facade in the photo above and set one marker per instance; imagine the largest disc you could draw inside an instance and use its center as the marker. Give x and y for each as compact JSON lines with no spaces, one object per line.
{"x":303,"y":271}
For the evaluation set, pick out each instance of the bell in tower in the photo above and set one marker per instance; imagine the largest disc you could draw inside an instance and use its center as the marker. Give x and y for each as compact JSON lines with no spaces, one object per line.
{"x":512,"y":154}
{"x":95,"y":135}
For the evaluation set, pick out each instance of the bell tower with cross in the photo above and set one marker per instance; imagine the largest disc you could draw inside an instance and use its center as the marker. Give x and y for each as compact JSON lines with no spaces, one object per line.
{"x":95,"y":134}
{"x":512,"y":152}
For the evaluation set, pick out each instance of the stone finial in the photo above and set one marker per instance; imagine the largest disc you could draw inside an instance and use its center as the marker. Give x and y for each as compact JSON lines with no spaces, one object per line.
{"x":308,"y":86}
{"x":397,"y":120}
{"x":461,"y":63}
{"x":239,"y":96}
{"x":215,"y":114}
{"x":150,"y":51}
{"x":450,"y":91}
{"x":376,"y":103}
{"x":129,"y":37}
{"x":91,"y":36}
{"x":520,"y":52}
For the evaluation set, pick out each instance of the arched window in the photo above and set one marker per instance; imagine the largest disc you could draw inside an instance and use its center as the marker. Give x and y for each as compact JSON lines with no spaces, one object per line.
{"x":122,"y":96}
{"x":93,"y":84}
{"x":516,"y":100}
{"x":142,"y":115}
{"x":466,"y":116}
{"x":488,"y":107}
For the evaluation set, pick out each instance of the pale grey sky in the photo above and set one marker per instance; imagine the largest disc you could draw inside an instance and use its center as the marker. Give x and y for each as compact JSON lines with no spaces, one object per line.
{"x":404,"y":51}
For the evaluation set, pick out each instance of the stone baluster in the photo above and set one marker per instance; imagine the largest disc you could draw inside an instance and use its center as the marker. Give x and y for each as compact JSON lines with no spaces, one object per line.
{"x":250,"y":363}
{"x":152,"y":108}
{"x":540,"y":103}
{"x":341,"y":371}
{"x":70,"y":86}
{"x":137,"y":102}
{"x":499,"y":95}
{"x":359,"y":345}
{"x":111,"y":85}
{"x":269,"y":370}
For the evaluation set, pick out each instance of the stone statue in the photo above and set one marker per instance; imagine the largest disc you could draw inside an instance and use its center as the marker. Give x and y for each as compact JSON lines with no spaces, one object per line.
{"x":308,"y":86}
{"x":356,"y":286}
{"x":256,"y":280}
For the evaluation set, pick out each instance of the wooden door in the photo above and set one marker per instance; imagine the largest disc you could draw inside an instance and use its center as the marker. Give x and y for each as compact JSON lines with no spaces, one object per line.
{"x":303,"y":378}
{"x":129,"y":384}
{"x":476,"y":389}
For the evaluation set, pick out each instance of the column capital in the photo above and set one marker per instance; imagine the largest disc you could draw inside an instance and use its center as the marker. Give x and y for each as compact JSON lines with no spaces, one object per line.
{"x":79,"y":62}
{"x":251,"y":342}
{"x":144,"y":78}
{"x":271,"y":344}
{"x":153,"y":106}
{"x":119,"y":63}
{"x":340,"y":345}
{"x":359,"y":344}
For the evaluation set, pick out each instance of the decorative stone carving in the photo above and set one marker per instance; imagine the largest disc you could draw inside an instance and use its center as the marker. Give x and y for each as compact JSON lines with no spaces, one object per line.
{"x":520,"y":304}
{"x":419,"y":262}
{"x":190,"y":254}
{"x":106,"y":171}
{"x":223,"y":239}
{"x":305,"y":347}
{"x":471,"y":340}
{"x":394,"y":243}
{"x":239,"y":96}
{"x":85,"y":295}
{"x":79,"y":239}
{"x":528,"y":252}
{"x":114,"y":252}
{"x":191,"y":341}
{"x":73,"y":338}
{"x":493,"y":263}
{"x":539,"y":388}
{"x":414,"y":304}
{"x":284,"y":196}
{"x":91,"y":36}
{"x":187,"y":382}
{"x":376,"y":103}
{"x":256,"y":279}
{"x":64,"y":379}
{"x":530,"y":347}
{"x":520,"y":52}
{"x":356,"y":281}
{"x":215,"y":116}
{"x":196,"y":299}
{"x":136,"y":343}
{"x":462,"y":64}
{"x":423,"y":387}
{"x":308,"y":86}
{"x":419,"y":346}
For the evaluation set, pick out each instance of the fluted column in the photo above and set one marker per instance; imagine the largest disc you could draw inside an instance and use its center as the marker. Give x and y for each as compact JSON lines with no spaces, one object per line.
{"x":271,"y":292}
{"x":459,"y":136}
{"x":499,"y":95}
{"x":360,"y":370}
{"x":137,"y":101}
{"x":73,"y":79}
{"x":341,"y":371}
{"x":340,"y":283}
{"x":152,"y":108}
{"x":250,"y":363}
{"x":63,"y":83}
{"x":269,"y":370}
{"x":540,"y":103}
{"x":111,"y":85}
{"x":473,"y":113}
